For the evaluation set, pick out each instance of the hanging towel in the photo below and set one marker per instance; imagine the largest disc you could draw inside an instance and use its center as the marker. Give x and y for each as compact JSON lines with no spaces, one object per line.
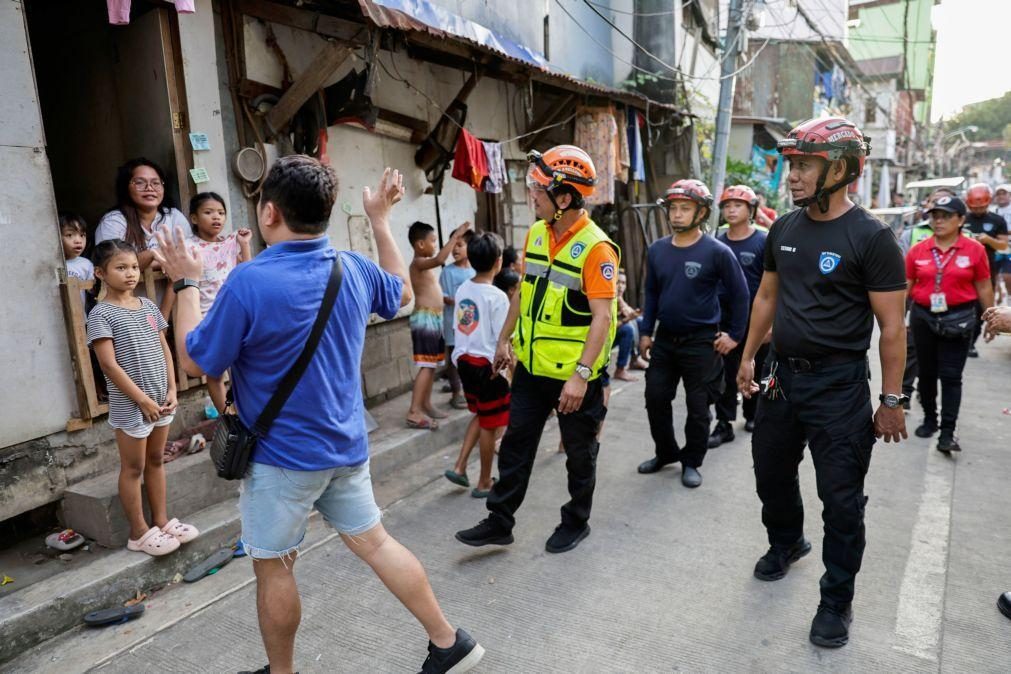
{"x":119,"y":10}
{"x":470,"y":164}
{"x":496,"y":180}
{"x":595,"y":134}
{"x":624,"y":160}
{"x":637,"y":163}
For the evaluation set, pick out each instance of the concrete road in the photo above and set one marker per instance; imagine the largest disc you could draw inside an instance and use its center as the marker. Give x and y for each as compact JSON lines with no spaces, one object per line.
{"x":664,"y":582}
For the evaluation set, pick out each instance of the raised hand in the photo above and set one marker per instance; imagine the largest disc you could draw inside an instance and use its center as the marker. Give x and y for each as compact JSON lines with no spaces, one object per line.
{"x":177,"y":259}
{"x":390,"y":190}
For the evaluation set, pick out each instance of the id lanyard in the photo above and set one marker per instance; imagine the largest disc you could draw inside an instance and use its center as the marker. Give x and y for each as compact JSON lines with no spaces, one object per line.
{"x":938,"y":301}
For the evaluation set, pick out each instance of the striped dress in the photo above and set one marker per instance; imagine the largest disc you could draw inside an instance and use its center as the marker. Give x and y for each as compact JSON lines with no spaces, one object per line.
{"x":135,"y":335}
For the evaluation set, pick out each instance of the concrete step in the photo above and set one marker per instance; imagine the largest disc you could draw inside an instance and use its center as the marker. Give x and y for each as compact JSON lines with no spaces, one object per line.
{"x":48,"y":608}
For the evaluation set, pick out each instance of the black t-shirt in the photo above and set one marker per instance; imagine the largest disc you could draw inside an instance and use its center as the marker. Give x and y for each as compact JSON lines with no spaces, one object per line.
{"x":988,"y":223}
{"x":826,"y":269}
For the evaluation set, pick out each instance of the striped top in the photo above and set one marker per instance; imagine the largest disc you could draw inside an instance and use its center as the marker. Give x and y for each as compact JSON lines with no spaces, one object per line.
{"x":135,"y":335}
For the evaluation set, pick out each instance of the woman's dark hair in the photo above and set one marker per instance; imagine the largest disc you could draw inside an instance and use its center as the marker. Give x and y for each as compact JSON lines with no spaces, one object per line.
{"x":506,"y":280}
{"x":124,"y":174}
{"x":73,"y":221}
{"x":198,"y":200}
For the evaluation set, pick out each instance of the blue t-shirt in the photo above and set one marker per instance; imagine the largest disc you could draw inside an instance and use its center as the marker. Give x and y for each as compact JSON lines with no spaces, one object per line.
{"x":682,"y":287}
{"x":451,"y":279}
{"x":258,"y":325}
{"x":750,"y":254}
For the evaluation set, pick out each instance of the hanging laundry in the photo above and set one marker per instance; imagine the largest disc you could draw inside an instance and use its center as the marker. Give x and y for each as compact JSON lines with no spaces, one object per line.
{"x":497,"y":178}
{"x":624,"y":160}
{"x":596,"y":133}
{"x":470,"y":164}
{"x":119,"y":10}
{"x":637,"y":161}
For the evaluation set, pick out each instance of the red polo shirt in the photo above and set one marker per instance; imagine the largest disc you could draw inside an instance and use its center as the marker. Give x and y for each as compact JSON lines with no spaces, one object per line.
{"x":967,"y":264}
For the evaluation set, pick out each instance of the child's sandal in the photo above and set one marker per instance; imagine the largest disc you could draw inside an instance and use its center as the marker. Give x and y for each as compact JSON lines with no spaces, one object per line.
{"x":155,"y":543}
{"x":184,"y":533}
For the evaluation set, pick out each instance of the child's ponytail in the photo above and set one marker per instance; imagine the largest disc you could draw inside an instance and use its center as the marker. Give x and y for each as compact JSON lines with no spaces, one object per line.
{"x":104,"y":252}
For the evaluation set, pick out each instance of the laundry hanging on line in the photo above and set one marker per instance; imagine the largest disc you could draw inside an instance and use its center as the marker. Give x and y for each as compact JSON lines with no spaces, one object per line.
{"x":119,"y":10}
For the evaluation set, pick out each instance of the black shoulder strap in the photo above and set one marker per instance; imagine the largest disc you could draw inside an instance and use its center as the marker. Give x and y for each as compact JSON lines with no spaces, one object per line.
{"x":287,"y":385}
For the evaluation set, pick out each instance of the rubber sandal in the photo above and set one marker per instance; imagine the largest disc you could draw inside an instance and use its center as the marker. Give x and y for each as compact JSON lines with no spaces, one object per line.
{"x":68,"y":539}
{"x":456,"y":478}
{"x":184,"y":533}
{"x":482,"y":493}
{"x":209,"y":566}
{"x":155,"y":543}
{"x":424,"y":425}
{"x":113,"y":616}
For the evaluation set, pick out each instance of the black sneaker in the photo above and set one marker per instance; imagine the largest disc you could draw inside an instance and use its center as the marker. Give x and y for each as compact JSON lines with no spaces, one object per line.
{"x":264,"y":670}
{"x":831,"y":626}
{"x":776,"y":562}
{"x":749,"y":425}
{"x":462,"y":656}
{"x":485,"y":533}
{"x":973,"y":353}
{"x":926,"y":429}
{"x":566,"y":538}
{"x":723,"y":432}
{"x":947,"y":443}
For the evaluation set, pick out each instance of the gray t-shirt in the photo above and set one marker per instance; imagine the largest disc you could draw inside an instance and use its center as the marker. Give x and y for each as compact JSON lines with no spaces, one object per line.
{"x":135,"y":335}
{"x":81,"y":268}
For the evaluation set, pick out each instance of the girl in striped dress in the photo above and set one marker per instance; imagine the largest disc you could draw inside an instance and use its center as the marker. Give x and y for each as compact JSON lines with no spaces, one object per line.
{"x":127,"y":334}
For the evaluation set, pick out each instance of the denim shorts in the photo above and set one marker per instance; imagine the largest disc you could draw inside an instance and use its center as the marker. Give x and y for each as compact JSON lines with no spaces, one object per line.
{"x":275,"y":504}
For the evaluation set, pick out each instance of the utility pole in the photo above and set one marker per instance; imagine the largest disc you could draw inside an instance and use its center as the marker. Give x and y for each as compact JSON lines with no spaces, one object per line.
{"x":725,"y":109}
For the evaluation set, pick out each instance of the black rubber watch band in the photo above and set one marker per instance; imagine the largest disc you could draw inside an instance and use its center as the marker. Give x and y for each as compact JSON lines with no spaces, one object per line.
{"x":184,"y":283}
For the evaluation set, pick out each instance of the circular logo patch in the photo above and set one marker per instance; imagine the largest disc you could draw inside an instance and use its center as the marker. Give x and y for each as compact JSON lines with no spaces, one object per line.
{"x":577,"y":249}
{"x":607,"y":270}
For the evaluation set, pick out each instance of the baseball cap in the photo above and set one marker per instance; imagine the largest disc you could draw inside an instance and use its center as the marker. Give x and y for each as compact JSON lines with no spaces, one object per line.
{"x":949,"y":204}
{"x":1006,"y":187}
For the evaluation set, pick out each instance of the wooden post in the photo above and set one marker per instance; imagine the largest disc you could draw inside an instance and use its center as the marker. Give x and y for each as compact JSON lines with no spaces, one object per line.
{"x":77,"y":339}
{"x":322,"y":67}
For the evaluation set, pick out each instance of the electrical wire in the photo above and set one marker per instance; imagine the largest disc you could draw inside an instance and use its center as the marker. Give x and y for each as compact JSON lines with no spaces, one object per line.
{"x":668,"y":12}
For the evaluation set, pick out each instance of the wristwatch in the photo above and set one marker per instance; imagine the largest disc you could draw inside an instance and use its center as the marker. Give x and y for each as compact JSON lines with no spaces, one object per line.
{"x":184,"y":283}
{"x":584,"y":372}
{"x":891,"y":401}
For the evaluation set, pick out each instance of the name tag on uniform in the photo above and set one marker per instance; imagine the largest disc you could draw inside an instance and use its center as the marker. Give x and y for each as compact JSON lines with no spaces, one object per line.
{"x":938,"y":303}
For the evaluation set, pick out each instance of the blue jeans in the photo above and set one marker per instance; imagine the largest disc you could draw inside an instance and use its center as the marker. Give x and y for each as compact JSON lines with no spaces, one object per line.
{"x":625,"y":340}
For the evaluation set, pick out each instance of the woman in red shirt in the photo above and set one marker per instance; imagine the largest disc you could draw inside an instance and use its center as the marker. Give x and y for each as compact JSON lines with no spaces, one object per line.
{"x":948,"y":274}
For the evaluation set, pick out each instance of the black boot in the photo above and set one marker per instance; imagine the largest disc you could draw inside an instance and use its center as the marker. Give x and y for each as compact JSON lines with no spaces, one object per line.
{"x":927,"y":428}
{"x":723,"y":432}
{"x":776,"y":562}
{"x":947,"y":442}
{"x":831,"y":626}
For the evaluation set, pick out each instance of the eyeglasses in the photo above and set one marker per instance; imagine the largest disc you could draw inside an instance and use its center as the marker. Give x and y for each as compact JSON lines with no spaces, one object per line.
{"x":142,"y":184}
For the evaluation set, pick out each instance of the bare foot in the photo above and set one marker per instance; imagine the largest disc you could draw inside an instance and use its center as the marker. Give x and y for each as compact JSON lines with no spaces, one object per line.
{"x":622,"y":374}
{"x":436,"y":414}
{"x":639,"y":364}
{"x":421,"y":422}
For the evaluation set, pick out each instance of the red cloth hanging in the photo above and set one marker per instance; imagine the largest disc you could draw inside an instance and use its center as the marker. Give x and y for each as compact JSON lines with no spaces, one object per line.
{"x":470,"y":164}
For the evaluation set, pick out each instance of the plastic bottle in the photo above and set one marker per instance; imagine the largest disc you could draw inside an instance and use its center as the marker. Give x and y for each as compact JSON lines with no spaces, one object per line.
{"x":210,"y":411}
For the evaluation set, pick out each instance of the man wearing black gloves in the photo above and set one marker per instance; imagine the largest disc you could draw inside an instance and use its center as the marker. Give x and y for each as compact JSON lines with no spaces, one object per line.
{"x":683,"y":277}
{"x":831,"y":269}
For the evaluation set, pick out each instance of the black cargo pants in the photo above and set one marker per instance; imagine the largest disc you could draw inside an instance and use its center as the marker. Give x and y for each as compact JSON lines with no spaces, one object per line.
{"x":828,"y":407}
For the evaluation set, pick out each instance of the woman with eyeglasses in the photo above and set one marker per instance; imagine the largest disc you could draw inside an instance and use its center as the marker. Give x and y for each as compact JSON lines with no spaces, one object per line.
{"x":947,"y":274}
{"x":140,"y":209}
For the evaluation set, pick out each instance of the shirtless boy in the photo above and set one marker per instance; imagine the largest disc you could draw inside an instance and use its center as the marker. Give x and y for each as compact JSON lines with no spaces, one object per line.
{"x":426,"y":319}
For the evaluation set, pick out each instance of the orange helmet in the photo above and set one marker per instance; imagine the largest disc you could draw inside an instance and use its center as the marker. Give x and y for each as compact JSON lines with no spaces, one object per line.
{"x":562,"y":165}
{"x":740,"y":193}
{"x":978,"y":196}
{"x":830,"y":138}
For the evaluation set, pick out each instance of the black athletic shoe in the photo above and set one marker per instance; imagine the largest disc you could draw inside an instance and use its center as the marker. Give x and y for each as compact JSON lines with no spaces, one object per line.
{"x":462,"y":656}
{"x":926,"y":429}
{"x":749,"y":425}
{"x":947,"y":443}
{"x":776,"y":562}
{"x":1004,"y":604}
{"x":653,"y":465}
{"x":973,"y":353}
{"x":485,"y":533}
{"x":723,"y":432}
{"x":831,"y":626}
{"x":565,"y":538}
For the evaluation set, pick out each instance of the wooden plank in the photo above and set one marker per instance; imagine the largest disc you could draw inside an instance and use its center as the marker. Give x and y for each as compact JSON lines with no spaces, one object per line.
{"x":251,"y":89}
{"x":78,"y":424}
{"x":555,"y":112}
{"x":80,"y":355}
{"x":342,"y":29}
{"x":175,"y":84}
{"x":322,"y":67}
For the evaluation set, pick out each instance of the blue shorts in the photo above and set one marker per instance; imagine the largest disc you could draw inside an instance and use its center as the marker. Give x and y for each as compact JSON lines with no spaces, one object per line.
{"x":275,"y":504}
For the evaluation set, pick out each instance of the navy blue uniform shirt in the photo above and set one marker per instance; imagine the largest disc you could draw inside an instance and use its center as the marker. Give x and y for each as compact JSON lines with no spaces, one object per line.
{"x":750,"y":254}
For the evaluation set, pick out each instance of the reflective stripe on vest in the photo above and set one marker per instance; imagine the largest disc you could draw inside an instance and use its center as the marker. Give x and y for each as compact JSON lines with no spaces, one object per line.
{"x":555,"y":317}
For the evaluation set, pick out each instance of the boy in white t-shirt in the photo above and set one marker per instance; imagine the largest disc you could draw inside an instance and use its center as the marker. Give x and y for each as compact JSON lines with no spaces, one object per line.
{"x":481,"y":310}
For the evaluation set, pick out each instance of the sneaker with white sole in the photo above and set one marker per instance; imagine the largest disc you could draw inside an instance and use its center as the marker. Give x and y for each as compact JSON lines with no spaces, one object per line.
{"x":462,"y":656}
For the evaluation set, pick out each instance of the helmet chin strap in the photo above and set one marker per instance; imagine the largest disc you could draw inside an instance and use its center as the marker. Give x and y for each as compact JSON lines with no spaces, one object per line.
{"x":822,"y":193}
{"x":696,"y":220}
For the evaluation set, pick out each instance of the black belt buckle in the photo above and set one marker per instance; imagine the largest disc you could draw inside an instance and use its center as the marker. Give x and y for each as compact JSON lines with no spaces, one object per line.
{"x":800,"y":364}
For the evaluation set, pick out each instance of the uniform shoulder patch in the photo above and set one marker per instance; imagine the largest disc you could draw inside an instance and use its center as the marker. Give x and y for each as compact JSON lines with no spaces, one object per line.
{"x":607,"y":270}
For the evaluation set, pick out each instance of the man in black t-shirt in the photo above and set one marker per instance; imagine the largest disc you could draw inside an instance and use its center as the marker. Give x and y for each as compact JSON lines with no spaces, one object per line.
{"x":831,"y":269}
{"x":990,"y":230}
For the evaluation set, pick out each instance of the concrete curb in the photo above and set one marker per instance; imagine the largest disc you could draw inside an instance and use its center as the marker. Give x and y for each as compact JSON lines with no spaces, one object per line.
{"x":52,"y":606}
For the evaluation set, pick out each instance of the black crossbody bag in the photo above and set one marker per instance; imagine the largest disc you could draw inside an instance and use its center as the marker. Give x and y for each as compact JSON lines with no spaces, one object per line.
{"x":233,"y":442}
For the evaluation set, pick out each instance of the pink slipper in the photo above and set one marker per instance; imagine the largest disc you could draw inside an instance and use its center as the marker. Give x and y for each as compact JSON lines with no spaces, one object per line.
{"x":155,"y":543}
{"x":184,"y":533}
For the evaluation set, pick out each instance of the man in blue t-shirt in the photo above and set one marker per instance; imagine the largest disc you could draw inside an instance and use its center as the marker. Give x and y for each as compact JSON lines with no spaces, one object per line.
{"x":316,"y":453}
{"x":684,"y":273}
{"x":738,"y":205}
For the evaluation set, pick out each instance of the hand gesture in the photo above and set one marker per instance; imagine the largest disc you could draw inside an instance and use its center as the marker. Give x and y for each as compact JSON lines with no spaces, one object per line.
{"x":503,"y":356}
{"x":171,"y":403}
{"x":150,"y":409}
{"x":645,"y":346}
{"x":177,"y":259}
{"x":461,"y":230}
{"x":746,"y":379}
{"x":724,"y":344}
{"x":389,"y":191}
{"x":572,"y":394}
{"x":244,"y":235}
{"x":890,"y":423}
{"x":998,"y":319}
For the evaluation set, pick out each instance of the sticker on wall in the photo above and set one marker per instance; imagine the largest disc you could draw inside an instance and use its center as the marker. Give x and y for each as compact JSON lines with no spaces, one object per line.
{"x":199,"y":141}
{"x":346,"y":207}
{"x":199,"y":175}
